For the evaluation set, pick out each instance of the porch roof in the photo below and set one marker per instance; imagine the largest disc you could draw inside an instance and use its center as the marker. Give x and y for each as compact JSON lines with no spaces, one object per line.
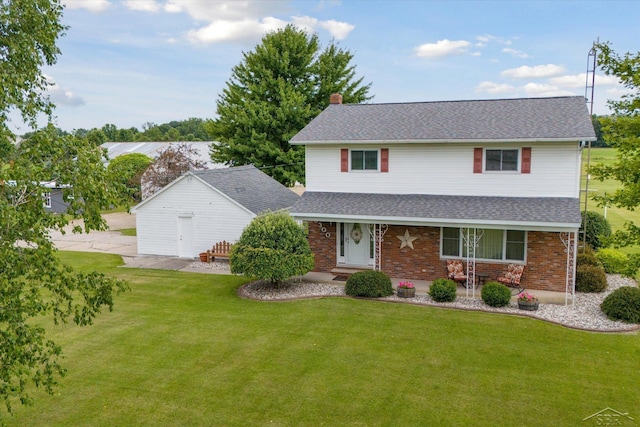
{"x":530,"y":213}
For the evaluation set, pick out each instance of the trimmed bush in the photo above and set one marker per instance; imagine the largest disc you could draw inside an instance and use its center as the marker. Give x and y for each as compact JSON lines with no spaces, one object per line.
{"x":272,"y":247}
{"x":443,"y":290}
{"x":587,"y":259}
{"x":613,"y":261}
{"x":623,"y":304}
{"x":496,"y":294}
{"x":590,"y":278}
{"x":598,"y":229}
{"x":368,"y":284}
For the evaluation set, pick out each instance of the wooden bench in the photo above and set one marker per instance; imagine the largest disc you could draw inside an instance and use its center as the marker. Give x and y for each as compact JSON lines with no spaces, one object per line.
{"x":220,"y":249}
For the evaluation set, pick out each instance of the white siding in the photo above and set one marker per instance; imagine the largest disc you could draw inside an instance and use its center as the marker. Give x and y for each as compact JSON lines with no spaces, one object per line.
{"x":214,"y":218}
{"x":448,"y":169}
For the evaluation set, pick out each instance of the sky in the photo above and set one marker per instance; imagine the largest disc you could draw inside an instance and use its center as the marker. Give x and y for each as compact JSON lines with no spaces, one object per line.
{"x":132,"y":62}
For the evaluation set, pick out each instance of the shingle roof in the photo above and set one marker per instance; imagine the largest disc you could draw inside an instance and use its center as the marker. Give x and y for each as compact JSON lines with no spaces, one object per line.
{"x":503,"y":119}
{"x":551,"y":211}
{"x":250,"y":187}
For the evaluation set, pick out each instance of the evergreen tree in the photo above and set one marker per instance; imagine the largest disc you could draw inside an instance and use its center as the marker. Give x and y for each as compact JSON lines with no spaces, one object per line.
{"x":276,"y":90}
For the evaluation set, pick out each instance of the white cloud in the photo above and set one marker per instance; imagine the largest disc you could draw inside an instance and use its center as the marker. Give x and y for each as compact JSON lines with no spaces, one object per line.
{"x":62,"y":96}
{"x":515,"y":53}
{"x":143,"y":5}
{"x":239,"y":21}
{"x":544,"y":89}
{"x":234,"y":10}
{"x":442,"y":48}
{"x":526,"y":72}
{"x":339,"y":30}
{"x":580,"y":80}
{"x":91,"y":5}
{"x":494,"y":88}
{"x":488,"y":38}
{"x":225,"y":31}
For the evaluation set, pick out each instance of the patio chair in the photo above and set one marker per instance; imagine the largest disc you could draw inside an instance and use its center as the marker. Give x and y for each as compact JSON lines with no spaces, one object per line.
{"x":512,"y":278}
{"x":457,"y":272}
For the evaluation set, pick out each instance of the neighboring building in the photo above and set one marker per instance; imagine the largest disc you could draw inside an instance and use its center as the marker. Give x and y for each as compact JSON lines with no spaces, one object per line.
{"x":404,"y":187}
{"x":53,"y":199}
{"x":201,"y":208}
{"x":153,"y":149}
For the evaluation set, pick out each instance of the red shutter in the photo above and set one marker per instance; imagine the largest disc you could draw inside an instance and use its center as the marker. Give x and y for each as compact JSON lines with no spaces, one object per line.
{"x":344,"y":160}
{"x":384,"y":160}
{"x":477,"y":160}
{"x":526,"y":160}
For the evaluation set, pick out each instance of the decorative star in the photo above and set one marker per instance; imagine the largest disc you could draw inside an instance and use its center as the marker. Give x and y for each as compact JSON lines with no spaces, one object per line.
{"x":406,"y":240}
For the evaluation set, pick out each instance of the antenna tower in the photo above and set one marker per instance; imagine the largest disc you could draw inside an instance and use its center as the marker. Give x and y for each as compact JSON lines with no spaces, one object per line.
{"x":588,"y":95}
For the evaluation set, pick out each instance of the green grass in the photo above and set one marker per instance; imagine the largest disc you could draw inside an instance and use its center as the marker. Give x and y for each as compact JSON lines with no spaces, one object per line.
{"x":183,"y":349}
{"x":617,"y":217}
{"x":128,"y":231}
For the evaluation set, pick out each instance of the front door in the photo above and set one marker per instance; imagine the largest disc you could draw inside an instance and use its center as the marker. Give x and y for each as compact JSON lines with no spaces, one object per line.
{"x":357,"y":244}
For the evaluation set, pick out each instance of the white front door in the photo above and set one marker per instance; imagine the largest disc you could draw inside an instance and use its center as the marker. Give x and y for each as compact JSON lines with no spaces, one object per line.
{"x":357,"y":244}
{"x":185,"y":237}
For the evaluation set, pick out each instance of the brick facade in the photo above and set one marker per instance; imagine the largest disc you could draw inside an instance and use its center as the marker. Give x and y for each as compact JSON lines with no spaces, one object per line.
{"x":545,"y":269}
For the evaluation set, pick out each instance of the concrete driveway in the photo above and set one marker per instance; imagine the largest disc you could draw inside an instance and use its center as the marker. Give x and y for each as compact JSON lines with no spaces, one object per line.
{"x":113,"y":242}
{"x":110,"y":241}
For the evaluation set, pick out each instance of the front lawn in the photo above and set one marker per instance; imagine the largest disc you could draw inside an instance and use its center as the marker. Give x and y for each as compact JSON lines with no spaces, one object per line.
{"x":183,"y":349}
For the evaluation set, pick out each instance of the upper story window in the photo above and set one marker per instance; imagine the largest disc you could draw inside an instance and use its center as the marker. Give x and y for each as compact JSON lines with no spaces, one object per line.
{"x":492,"y":160}
{"x":501,"y":160}
{"x":364,"y":160}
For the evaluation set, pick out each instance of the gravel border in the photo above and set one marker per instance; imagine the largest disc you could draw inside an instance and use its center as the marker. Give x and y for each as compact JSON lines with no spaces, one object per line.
{"x":584,"y":314}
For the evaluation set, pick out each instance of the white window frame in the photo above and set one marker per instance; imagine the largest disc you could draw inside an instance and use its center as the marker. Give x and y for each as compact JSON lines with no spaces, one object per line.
{"x":504,"y":258}
{"x":46,"y":196}
{"x":518,"y":160}
{"x":364,"y":150}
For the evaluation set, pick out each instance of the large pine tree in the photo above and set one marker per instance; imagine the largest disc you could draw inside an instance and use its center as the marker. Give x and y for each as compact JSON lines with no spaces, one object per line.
{"x":276,"y":90}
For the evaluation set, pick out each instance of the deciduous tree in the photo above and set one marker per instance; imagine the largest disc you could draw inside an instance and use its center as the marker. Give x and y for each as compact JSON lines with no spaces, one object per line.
{"x":275,"y":91}
{"x":33,"y":283}
{"x":622,"y":132}
{"x":126,"y":171}
{"x":174,"y":161}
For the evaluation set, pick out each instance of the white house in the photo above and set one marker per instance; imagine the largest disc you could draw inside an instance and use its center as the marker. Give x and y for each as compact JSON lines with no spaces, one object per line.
{"x":404,"y":187}
{"x":201,"y":208}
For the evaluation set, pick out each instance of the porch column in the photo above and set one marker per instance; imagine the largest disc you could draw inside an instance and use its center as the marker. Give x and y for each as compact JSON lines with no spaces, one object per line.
{"x":570,"y":241}
{"x":378,"y":231}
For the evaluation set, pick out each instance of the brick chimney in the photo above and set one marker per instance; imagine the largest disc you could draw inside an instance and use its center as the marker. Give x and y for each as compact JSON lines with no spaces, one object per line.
{"x":335,"y":98}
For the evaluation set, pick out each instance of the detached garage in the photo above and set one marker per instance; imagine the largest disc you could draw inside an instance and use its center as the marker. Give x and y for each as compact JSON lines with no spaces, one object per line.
{"x":201,"y":208}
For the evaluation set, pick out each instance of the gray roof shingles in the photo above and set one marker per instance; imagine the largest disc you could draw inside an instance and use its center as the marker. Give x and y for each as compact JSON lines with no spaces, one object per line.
{"x":434,"y":208}
{"x":500,"y":120}
{"x":250,"y":187}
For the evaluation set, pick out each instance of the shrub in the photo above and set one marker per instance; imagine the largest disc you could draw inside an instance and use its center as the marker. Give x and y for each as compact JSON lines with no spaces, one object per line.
{"x":443,"y":290}
{"x":598,"y":229}
{"x":623,"y":304}
{"x":272,"y":247}
{"x":613,"y":261}
{"x":495,"y":294}
{"x":587,"y":259}
{"x":590,"y":278}
{"x":368,"y":284}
